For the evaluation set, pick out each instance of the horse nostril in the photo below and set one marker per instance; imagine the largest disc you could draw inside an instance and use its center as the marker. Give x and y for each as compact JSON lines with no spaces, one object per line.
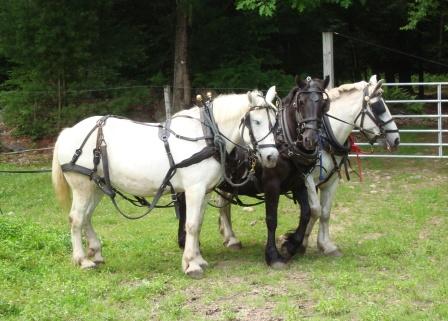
{"x":397,"y":141}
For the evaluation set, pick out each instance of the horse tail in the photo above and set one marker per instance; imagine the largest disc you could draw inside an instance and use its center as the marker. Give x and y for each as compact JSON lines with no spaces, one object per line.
{"x":60,"y":185}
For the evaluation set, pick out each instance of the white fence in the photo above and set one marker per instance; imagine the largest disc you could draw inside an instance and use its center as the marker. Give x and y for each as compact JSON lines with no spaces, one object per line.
{"x":438,"y":118}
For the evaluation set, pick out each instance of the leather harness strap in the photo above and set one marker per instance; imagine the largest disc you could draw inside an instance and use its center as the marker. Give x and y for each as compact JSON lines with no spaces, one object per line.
{"x":215,"y":147}
{"x":100,"y":154}
{"x":334,"y":148}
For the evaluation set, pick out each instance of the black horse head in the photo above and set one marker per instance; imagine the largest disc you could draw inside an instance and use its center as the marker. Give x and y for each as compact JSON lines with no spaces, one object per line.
{"x":307,"y":103}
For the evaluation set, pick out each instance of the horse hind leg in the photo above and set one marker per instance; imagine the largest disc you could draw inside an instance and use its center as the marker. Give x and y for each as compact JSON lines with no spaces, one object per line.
{"x":83,"y":204}
{"x":94,"y":244}
{"x":225,"y":223}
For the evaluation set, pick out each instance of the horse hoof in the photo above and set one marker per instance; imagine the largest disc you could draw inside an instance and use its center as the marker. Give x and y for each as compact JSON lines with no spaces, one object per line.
{"x":278,"y":265}
{"x":285,"y":252}
{"x":334,"y":253}
{"x":194,"y":272}
{"x":202,"y":263}
{"x":301,"y":250}
{"x":287,"y":249}
{"x":99,"y":261}
{"x":234,"y":245}
{"x":87,"y":265}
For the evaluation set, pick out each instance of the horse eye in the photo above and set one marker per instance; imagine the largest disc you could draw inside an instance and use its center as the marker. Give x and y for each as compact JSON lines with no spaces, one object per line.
{"x":257,"y":122}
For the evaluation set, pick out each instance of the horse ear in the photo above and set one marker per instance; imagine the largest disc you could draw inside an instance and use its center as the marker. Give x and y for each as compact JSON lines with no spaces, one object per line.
{"x":270,"y":95}
{"x":326,"y":81}
{"x":251,"y":98}
{"x":373,"y":80}
{"x":377,"y":87}
{"x":300,"y":83}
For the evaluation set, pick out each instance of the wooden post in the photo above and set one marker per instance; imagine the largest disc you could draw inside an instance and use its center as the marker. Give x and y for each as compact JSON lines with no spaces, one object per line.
{"x":167,"y":96}
{"x":327,"y":52}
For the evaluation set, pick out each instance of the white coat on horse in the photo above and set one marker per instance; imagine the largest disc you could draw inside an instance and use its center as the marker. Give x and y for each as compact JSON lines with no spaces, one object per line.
{"x":358,"y":105}
{"x":138,"y":163}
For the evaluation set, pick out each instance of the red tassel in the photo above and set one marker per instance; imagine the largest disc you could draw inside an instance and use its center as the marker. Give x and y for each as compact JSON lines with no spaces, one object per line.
{"x":357,"y":150}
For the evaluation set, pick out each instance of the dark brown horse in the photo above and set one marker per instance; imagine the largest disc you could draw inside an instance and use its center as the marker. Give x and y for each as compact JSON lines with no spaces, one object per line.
{"x":296,"y":135}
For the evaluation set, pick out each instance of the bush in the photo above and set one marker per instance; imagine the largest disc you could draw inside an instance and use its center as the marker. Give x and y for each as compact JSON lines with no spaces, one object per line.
{"x":35,"y":112}
{"x":237,"y":76}
{"x":397,"y":93}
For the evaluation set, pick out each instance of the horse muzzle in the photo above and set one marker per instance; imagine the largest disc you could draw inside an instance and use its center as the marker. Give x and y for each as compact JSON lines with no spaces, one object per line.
{"x":269,"y":157}
{"x":310,"y":139}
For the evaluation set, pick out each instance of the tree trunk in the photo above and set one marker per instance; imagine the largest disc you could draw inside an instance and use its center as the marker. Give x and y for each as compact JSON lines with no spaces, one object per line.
{"x":181,"y":82}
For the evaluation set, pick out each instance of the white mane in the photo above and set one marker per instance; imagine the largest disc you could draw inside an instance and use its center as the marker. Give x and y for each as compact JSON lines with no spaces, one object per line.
{"x":337,"y":92}
{"x":229,"y":107}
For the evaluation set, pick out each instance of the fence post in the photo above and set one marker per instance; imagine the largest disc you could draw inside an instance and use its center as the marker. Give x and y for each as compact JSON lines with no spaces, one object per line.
{"x":167,"y":97}
{"x":327,"y":53}
{"x":439,"y":119}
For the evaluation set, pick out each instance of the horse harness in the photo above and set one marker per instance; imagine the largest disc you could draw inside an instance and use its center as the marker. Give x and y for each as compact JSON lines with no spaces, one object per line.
{"x":288,"y":147}
{"x":330,"y":144}
{"x":215,"y":147}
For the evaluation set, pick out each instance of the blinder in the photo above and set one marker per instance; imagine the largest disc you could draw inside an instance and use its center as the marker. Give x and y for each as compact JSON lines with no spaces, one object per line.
{"x":246,"y":123}
{"x":378,"y":107}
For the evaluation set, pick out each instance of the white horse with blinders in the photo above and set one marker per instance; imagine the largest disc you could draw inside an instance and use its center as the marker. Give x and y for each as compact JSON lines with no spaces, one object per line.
{"x":361,"y":106}
{"x":138,"y":163}
{"x":358,"y":105}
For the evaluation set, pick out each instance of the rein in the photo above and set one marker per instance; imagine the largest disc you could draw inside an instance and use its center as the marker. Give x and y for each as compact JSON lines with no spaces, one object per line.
{"x":299,"y":158}
{"x":335,"y":148}
{"x":100,"y":153}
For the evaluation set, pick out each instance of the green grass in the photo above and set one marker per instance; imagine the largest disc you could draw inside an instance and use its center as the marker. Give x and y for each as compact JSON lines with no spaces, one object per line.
{"x":391,"y":229}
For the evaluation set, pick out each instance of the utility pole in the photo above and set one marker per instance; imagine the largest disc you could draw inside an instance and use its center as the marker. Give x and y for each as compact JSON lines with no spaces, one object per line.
{"x":327,"y":55}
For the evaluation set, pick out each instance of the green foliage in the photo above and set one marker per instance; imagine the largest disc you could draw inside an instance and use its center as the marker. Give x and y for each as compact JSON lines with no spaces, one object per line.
{"x":398,"y":93}
{"x":268,"y":7}
{"x":32,"y":112}
{"x":420,"y":10}
{"x":239,"y":75}
{"x":431,"y":77}
{"x":57,"y":47}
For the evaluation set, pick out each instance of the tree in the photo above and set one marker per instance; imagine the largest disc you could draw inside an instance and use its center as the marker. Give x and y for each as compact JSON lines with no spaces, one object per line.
{"x":181,"y":79}
{"x":54,"y":48}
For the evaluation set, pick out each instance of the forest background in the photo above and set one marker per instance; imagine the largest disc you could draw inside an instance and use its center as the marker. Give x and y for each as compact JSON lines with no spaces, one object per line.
{"x":61,"y":61}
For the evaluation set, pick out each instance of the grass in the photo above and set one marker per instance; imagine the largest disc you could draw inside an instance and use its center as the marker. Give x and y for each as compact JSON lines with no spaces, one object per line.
{"x":391,"y":229}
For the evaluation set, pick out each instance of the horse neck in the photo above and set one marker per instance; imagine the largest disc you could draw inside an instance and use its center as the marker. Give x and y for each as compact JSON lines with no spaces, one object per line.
{"x":228,"y":112}
{"x":291,"y":121}
{"x":345,"y":107}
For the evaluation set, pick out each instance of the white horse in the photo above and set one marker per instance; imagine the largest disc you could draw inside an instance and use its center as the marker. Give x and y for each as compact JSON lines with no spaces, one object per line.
{"x":348,"y":102}
{"x":352,"y":105}
{"x":138,"y":163}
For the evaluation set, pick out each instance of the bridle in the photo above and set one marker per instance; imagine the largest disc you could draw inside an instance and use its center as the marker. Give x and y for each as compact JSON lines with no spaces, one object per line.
{"x":246,"y":123}
{"x":378,"y":108}
{"x":312,"y":123}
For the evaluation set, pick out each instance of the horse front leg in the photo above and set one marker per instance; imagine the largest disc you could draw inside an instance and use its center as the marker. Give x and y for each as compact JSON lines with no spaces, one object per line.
{"x":272,"y":195}
{"x":324,"y":242}
{"x":315,"y":209}
{"x":192,"y":261}
{"x":182,"y":216}
{"x":291,"y":243}
{"x":225,"y":223}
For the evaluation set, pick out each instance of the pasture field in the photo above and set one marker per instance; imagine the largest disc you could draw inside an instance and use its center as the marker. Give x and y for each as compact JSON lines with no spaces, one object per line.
{"x":392,"y":229}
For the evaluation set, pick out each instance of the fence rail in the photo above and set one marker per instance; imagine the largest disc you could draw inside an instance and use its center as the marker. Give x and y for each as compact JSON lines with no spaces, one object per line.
{"x":438,"y":118}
